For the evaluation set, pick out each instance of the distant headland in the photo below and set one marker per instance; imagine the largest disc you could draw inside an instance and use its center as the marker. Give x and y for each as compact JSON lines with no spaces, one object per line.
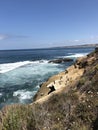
{"x":78,"y":46}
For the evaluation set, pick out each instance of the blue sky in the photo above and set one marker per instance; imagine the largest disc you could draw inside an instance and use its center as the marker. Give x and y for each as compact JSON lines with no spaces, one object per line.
{"x":47,"y":23}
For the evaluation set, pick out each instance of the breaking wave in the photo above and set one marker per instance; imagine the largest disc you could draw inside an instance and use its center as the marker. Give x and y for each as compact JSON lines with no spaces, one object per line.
{"x":23,"y":95}
{"x":77,"y":55}
{"x":11,"y":66}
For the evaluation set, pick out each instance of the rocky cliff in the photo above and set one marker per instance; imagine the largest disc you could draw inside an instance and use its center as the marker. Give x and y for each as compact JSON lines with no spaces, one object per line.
{"x":67,"y":101}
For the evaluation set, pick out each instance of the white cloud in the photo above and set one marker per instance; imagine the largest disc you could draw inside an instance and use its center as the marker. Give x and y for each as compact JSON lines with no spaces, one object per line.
{"x":76,"y":40}
{"x":3,"y":36}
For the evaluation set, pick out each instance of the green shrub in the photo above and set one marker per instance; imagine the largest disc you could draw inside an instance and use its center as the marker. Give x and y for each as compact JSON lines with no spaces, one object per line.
{"x":82,"y":81}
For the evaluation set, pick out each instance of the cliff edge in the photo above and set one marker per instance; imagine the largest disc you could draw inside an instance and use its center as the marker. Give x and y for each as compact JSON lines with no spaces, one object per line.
{"x":67,"y":101}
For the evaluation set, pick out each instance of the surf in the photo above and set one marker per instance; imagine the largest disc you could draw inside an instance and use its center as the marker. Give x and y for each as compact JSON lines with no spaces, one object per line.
{"x":11,"y":66}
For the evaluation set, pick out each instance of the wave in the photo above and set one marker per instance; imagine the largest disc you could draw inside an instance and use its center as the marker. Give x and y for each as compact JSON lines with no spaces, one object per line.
{"x":77,"y":55}
{"x":11,"y":66}
{"x":0,"y":94}
{"x":73,"y":55}
{"x":24,"y":95}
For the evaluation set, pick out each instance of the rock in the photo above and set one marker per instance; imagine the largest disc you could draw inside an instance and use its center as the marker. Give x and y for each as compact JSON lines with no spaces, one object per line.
{"x":42,"y":94}
{"x":96,"y":49}
{"x":40,"y":85}
{"x":52,"y":88}
{"x":66,"y":71}
{"x":81,"y":62}
{"x":61,"y":60}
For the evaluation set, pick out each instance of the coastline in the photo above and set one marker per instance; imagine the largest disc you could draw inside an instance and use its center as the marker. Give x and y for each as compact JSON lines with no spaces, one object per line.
{"x":61,"y":80}
{"x":73,"y":106}
{"x":24,"y":78}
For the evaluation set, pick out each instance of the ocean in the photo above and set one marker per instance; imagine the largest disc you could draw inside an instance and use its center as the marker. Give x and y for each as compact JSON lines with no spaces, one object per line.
{"x":22,"y":71}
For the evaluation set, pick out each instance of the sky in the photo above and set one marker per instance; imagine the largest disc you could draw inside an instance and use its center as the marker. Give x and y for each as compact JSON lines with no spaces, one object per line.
{"x":28,"y":24}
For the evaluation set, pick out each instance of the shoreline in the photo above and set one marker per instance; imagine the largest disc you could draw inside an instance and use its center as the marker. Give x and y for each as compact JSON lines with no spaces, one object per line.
{"x":63,"y":107}
{"x":61,"y":80}
{"x":66,"y":80}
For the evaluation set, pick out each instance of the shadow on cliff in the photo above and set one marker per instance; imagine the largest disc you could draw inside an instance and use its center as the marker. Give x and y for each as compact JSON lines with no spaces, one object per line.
{"x":95,"y":124}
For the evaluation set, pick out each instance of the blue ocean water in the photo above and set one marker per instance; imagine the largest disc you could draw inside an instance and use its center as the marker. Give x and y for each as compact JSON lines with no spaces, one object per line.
{"x":22,"y":71}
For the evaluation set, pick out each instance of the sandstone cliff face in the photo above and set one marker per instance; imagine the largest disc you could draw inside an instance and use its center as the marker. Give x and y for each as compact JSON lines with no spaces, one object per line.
{"x":73,"y":105}
{"x":67,"y":78}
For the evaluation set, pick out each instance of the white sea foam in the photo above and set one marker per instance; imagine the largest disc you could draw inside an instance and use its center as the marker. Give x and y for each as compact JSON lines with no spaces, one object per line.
{"x":77,"y":55}
{"x":37,"y":87}
{"x":23,"y":95}
{"x":28,"y":75}
{"x":11,"y":66}
{"x":43,"y":61}
{"x":72,"y":55}
{"x":0,"y":94}
{"x":33,"y":71}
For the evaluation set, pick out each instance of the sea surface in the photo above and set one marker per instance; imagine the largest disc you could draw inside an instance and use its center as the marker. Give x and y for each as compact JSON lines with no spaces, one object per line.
{"x":22,"y":71}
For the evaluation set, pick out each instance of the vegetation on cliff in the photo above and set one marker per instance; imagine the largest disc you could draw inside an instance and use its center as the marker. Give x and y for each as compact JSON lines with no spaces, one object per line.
{"x":71,"y":108}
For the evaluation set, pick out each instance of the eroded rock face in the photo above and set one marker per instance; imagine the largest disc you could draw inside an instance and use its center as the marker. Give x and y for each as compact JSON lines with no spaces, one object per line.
{"x":61,"y":60}
{"x":81,"y":62}
{"x":96,"y":49}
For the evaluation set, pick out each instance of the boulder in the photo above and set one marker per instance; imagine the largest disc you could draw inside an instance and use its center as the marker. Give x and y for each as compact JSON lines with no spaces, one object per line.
{"x":81,"y":62}
{"x":52,"y":88}
{"x":96,"y":49}
{"x":61,"y":60}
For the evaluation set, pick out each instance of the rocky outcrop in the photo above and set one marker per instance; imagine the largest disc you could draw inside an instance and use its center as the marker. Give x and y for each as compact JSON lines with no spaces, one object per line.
{"x":59,"y":81}
{"x":68,"y":77}
{"x":61,"y":60}
{"x":96,"y":49}
{"x":81,"y":62}
{"x":52,"y":88}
